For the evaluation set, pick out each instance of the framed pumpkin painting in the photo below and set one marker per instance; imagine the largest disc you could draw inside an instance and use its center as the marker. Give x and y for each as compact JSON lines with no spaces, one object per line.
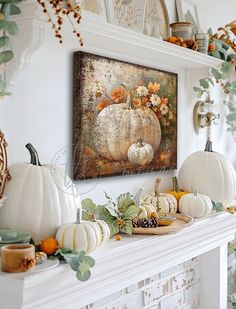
{"x":124,"y":118}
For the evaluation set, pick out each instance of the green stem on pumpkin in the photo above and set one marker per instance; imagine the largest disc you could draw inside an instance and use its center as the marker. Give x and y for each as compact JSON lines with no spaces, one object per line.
{"x":175,"y":184}
{"x":129,"y":104}
{"x":34,"y":157}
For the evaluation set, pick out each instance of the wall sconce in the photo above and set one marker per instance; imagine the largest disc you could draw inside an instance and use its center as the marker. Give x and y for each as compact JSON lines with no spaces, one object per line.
{"x":204,"y":114}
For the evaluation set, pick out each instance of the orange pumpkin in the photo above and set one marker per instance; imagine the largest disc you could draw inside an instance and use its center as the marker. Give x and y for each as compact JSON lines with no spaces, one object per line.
{"x":176,"y":192}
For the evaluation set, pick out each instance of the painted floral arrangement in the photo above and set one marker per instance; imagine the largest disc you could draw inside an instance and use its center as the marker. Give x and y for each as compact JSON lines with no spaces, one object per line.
{"x":149,"y":94}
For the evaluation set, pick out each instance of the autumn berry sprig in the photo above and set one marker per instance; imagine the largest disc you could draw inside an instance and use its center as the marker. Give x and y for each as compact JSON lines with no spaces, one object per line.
{"x":57,"y":10}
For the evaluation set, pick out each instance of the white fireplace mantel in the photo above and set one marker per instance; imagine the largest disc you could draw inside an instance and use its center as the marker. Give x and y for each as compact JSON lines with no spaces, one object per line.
{"x":123,"y":263}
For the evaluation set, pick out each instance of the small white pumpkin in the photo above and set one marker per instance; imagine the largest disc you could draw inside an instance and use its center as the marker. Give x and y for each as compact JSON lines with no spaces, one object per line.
{"x":86,"y":235}
{"x":211,"y":173}
{"x":38,"y":199}
{"x":140,"y":153}
{"x":163,"y":202}
{"x":146,"y":211}
{"x":195,"y":205}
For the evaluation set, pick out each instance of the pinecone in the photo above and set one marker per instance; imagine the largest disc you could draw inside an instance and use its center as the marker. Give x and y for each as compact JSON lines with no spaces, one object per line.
{"x":145,"y":223}
{"x":191,"y":44}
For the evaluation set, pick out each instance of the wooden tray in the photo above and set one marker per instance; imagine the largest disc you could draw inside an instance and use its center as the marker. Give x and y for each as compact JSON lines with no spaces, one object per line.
{"x":180,"y":223}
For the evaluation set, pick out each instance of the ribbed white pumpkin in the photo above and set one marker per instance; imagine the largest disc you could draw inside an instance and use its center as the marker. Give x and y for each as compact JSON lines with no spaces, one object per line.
{"x":195,"y":205}
{"x":83,"y":235}
{"x":146,"y":210}
{"x":140,"y":153}
{"x":38,"y":201}
{"x":163,"y":202}
{"x":211,"y":173}
{"x":118,"y":126}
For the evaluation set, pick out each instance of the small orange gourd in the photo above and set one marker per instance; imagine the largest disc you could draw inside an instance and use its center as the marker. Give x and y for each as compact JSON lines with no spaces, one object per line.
{"x":176,"y":192}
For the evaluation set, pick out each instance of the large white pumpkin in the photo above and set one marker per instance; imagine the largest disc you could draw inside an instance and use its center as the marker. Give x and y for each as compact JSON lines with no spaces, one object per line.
{"x":83,"y":235}
{"x":211,"y":173}
{"x":118,"y":126}
{"x":38,"y":199}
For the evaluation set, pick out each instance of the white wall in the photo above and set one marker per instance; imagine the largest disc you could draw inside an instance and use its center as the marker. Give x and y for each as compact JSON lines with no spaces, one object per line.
{"x":40,"y":111}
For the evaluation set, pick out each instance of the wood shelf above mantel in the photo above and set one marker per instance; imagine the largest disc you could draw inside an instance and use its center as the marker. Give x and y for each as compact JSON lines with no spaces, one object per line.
{"x":118,"y":265}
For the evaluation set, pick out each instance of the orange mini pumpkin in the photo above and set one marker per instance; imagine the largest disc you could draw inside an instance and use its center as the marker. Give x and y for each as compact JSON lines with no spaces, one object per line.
{"x":176,"y":192}
{"x":49,"y":246}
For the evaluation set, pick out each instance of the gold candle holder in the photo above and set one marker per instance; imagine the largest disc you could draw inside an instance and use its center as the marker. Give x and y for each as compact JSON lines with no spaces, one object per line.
{"x":18,"y":257}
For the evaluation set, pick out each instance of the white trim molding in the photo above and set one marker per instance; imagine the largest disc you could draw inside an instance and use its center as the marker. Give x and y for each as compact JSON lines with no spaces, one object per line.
{"x":120,"y":264}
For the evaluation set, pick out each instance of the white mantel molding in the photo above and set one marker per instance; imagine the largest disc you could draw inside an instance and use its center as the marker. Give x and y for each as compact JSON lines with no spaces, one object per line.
{"x":124,"y":263}
{"x":99,"y":36}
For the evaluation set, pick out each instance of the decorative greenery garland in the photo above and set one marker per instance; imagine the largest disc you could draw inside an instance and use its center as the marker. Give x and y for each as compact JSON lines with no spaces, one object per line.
{"x":221,"y":76}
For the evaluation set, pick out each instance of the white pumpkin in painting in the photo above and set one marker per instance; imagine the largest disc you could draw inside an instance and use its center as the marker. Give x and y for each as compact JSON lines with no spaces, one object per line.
{"x":211,"y":173}
{"x":118,"y":126}
{"x":83,"y":235}
{"x":39,"y":199}
{"x":140,"y":153}
{"x":163,"y":202}
{"x":195,"y":205}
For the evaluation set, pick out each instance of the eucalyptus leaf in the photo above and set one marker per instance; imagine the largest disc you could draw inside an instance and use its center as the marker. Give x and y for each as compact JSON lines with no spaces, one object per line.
{"x":216,"y":74}
{"x":204,"y":83}
{"x":14,"y":9}
{"x":132,"y":212}
{"x":85,"y":216}
{"x":6,"y":10}
{"x":217,"y":206}
{"x":89,"y":260}
{"x":231,"y":117}
{"x":83,"y":276}
{"x":4,"y":41}
{"x":74,"y":264}
{"x":83,"y":267}
{"x":6,"y":56}
{"x":11,"y":27}
{"x":10,"y":1}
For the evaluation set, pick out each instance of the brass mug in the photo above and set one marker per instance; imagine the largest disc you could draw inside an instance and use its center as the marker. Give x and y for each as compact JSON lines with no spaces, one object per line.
{"x":18,"y":258}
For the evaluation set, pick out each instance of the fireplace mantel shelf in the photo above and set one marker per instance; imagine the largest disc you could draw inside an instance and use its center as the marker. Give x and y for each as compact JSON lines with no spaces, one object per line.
{"x":121,"y":263}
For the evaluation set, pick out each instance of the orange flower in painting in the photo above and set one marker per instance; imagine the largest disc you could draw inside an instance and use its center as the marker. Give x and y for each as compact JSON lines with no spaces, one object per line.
{"x":102,"y":104}
{"x":153,"y":88}
{"x":118,"y":95}
{"x":137,"y":102}
{"x":164,"y":101}
{"x":144,"y":100}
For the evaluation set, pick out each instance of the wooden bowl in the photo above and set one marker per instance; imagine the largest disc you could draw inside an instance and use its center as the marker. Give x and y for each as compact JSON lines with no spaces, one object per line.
{"x":164,"y":220}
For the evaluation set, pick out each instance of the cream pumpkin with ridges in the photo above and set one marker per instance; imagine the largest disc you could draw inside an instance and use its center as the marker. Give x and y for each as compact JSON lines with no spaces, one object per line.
{"x":38,"y":200}
{"x":140,"y":153}
{"x":211,"y":173}
{"x":195,"y":205}
{"x":86,"y":235}
{"x":163,"y":202}
{"x":118,"y":126}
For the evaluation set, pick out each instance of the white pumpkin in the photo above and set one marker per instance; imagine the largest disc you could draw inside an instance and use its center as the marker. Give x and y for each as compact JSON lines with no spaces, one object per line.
{"x":211,"y":173}
{"x":38,"y":200}
{"x":195,"y":205}
{"x":86,"y":235}
{"x":118,"y":126}
{"x":163,"y":202}
{"x":140,"y":153}
{"x":146,"y":211}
